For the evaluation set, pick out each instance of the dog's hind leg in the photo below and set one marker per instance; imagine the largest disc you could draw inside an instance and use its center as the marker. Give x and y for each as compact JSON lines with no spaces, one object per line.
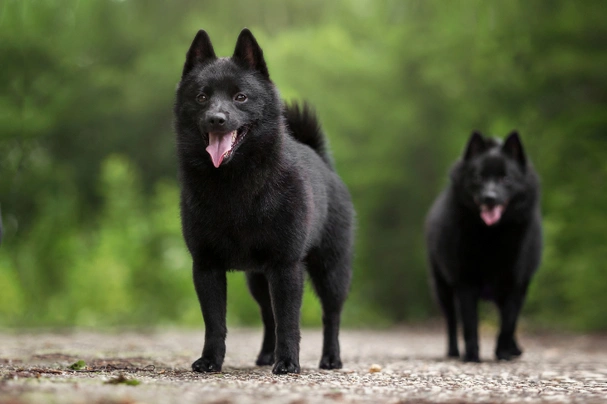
{"x":330,"y":275}
{"x":258,"y":285}
{"x":446,"y":299}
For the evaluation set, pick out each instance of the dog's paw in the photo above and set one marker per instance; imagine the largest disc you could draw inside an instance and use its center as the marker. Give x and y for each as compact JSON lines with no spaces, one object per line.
{"x":453,"y":353}
{"x":472,"y":357}
{"x":506,"y":354}
{"x":515,"y":350}
{"x":204,"y":365}
{"x":503,"y":354}
{"x":507,"y":351}
{"x":284,"y":366}
{"x":330,"y":361}
{"x":265,"y":359}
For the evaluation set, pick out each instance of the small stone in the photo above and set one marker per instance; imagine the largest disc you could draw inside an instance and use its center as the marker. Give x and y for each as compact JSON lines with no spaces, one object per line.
{"x":375,"y":368}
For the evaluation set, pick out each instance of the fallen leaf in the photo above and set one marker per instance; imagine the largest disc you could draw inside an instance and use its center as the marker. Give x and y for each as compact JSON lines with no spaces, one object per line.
{"x":78,"y":365}
{"x":121,"y":379}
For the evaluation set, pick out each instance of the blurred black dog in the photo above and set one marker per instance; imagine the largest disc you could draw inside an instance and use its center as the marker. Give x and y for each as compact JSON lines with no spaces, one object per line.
{"x":259,"y":194}
{"x":484,"y":239}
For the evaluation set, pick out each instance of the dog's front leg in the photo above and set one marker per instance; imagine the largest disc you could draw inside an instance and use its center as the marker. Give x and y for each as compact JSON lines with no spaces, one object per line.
{"x":509,"y":307}
{"x":286,"y":291}
{"x":211,"y":290}
{"x":468,"y":305}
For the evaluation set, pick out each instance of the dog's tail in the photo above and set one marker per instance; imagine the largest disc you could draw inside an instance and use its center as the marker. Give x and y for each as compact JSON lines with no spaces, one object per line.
{"x":304,"y":126}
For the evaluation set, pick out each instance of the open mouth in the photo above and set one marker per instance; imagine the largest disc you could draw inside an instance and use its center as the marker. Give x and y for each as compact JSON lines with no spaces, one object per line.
{"x":222,"y":144}
{"x":491,"y":215}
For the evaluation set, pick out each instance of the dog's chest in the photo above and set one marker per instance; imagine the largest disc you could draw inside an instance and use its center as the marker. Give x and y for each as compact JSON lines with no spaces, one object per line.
{"x":251,"y":244}
{"x":252,"y":234}
{"x":489,"y":257}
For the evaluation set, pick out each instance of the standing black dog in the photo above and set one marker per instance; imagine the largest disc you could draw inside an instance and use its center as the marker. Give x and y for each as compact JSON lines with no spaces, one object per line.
{"x":484,"y":239}
{"x":259,"y":194}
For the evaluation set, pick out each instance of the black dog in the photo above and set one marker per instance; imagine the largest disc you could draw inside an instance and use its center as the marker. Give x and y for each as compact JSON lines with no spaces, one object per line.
{"x":484,"y":239}
{"x":259,"y":194}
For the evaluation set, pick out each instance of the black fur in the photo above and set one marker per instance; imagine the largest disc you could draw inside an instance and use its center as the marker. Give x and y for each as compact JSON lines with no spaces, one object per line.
{"x":273,"y":207}
{"x":305,"y":127}
{"x":472,"y":257}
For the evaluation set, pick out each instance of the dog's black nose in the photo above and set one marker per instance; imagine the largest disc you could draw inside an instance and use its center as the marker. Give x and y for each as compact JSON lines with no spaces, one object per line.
{"x":217,"y":119}
{"x":489,"y":199}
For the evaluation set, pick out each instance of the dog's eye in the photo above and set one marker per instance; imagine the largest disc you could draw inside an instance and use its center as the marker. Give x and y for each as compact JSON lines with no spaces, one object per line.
{"x":477,"y":178}
{"x":505,"y":179}
{"x":240,"y":97}
{"x":202,"y":98}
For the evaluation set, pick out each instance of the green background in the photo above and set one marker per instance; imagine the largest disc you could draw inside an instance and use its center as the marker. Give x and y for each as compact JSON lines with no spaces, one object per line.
{"x":88,"y":186}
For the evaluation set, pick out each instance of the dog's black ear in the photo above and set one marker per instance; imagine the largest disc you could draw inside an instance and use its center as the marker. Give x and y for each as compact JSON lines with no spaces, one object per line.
{"x":201,"y":51}
{"x":476,"y":145}
{"x":249,"y":54}
{"x":513,"y":147}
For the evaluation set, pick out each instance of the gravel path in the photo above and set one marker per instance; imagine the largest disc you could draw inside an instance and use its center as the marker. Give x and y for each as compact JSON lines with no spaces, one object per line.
{"x":553,"y":369}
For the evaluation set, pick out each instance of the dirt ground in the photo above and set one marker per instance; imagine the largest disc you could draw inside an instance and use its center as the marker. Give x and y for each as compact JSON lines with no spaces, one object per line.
{"x":34,"y":368}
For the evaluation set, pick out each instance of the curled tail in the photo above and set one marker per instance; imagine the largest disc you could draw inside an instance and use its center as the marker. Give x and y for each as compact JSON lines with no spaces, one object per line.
{"x":304,"y":126}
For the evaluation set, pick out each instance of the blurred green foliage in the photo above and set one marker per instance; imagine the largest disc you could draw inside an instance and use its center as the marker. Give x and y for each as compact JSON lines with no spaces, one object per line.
{"x":88,"y":184}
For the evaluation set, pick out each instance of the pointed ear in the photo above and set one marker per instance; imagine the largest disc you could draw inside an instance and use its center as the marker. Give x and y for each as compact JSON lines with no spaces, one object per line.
{"x":476,"y":145}
{"x":249,"y":54}
{"x":200,"y":52}
{"x":513,"y":147}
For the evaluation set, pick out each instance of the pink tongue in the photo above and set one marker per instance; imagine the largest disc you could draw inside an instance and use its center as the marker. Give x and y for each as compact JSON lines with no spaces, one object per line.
{"x":219,"y":145}
{"x":491,"y":215}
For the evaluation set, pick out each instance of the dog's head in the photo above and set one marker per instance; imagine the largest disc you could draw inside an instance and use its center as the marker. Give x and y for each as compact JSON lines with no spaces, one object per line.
{"x":221,"y":101}
{"x":492,"y":175}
